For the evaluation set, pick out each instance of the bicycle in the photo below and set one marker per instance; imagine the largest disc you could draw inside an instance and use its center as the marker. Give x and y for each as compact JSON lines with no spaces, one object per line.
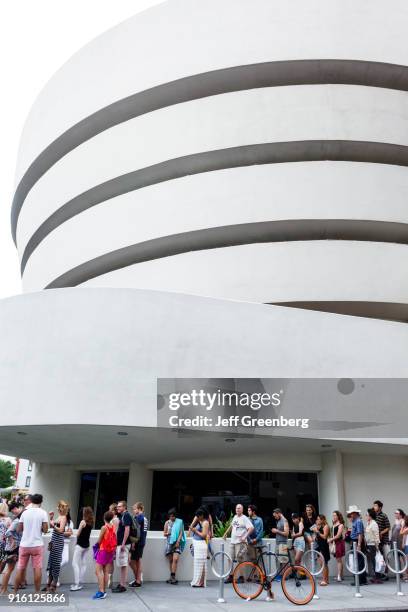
{"x":250,"y":578}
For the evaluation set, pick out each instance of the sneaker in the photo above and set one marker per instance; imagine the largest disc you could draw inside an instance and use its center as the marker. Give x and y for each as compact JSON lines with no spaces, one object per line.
{"x":99,"y":595}
{"x":75,"y":587}
{"x":119,"y":589}
{"x":135,"y":584}
{"x":278,"y":578}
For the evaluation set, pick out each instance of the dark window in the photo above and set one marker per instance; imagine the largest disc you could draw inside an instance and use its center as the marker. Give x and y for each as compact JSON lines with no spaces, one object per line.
{"x":100,"y":489}
{"x":221,"y":491}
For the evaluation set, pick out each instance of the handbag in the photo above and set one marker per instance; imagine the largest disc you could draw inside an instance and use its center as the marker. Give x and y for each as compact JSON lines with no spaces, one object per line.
{"x":379,"y":563}
{"x":95,"y":550}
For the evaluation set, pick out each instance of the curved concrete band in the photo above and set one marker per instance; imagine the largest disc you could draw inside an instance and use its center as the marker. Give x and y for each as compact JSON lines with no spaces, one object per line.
{"x":234,"y":235}
{"x":233,"y":157}
{"x":226,"y":80}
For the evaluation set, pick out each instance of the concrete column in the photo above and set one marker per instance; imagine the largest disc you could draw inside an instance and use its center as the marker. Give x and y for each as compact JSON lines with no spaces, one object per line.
{"x":140,"y":486}
{"x":331,"y":484}
{"x":56,"y":482}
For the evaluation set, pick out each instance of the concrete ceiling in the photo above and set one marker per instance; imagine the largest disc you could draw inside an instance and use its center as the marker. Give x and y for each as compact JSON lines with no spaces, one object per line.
{"x":96,"y":444}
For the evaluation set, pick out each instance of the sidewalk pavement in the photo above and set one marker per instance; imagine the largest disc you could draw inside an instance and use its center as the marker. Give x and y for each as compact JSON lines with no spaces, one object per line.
{"x":160,"y":597}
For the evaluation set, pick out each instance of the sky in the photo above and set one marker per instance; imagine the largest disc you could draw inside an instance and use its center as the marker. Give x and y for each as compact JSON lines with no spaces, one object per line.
{"x":37,"y":38}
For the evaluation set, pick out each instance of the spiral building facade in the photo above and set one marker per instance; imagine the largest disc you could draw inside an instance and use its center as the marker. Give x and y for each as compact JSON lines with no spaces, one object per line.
{"x":192,"y":186}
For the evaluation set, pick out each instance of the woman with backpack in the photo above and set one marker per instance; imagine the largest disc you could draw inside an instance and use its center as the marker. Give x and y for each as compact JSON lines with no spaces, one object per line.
{"x":104,"y":551}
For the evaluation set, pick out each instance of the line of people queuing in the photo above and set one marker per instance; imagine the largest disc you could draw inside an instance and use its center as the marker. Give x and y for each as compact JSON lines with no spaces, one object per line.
{"x":309,"y":530}
{"x":121,"y":541}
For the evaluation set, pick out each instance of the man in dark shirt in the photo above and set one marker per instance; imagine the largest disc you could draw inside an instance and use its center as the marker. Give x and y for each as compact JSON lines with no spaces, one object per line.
{"x":384,"y":527}
{"x":123,"y":544}
{"x":136,"y":549}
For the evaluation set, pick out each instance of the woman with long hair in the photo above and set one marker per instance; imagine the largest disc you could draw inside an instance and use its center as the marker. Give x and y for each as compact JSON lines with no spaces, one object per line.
{"x":200,"y":531}
{"x":309,"y":521}
{"x":82,"y":547}
{"x":69,"y":531}
{"x":322,"y":532}
{"x":56,"y":545}
{"x":298,"y":540}
{"x":104,"y":551}
{"x":113,"y":508}
{"x":338,"y":540}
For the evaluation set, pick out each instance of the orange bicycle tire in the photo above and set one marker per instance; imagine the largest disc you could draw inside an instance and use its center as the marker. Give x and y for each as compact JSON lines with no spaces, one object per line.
{"x":236,"y":584}
{"x":285,"y":576}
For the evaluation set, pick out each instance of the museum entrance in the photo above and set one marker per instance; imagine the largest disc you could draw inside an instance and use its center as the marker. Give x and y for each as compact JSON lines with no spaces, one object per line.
{"x":220,"y":491}
{"x":100,"y":489}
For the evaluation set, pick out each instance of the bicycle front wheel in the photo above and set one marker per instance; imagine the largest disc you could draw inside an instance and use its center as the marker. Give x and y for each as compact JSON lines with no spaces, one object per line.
{"x":248,"y":580}
{"x":298,"y":585}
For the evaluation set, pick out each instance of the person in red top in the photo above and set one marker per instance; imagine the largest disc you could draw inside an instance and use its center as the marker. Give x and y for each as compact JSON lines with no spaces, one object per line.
{"x":105,"y":550}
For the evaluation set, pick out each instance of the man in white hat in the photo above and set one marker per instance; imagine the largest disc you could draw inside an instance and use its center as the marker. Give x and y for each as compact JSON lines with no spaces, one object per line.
{"x":357,"y":535}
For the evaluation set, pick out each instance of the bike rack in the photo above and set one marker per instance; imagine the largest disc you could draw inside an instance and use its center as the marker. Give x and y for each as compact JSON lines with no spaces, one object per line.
{"x":314,"y":554}
{"x":397,"y":570}
{"x":223,"y":573}
{"x":354,"y":570}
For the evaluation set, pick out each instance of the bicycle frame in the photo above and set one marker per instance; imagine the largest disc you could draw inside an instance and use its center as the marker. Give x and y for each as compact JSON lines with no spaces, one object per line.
{"x":261,"y":562}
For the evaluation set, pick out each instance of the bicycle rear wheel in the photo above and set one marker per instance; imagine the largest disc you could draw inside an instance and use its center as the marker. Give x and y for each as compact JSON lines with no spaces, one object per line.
{"x":248,"y":580}
{"x":298,"y":585}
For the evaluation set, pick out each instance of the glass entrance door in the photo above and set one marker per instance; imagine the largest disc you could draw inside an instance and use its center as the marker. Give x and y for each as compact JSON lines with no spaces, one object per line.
{"x":100,"y":489}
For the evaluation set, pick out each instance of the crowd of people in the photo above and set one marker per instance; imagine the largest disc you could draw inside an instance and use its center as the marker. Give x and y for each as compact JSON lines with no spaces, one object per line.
{"x":306,"y":531}
{"x":122,"y":539}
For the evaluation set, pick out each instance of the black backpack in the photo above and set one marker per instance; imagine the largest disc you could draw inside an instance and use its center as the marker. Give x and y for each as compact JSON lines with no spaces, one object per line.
{"x":135,"y":531}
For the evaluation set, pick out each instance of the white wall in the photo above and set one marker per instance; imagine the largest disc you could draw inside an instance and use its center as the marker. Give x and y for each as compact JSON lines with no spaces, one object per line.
{"x":199,"y":37}
{"x":371,"y":477}
{"x":140,"y":486}
{"x":299,"y":190}
{"x":56,"y":482}
{"x":331,"y":484}
{"x":276,"y":114}
{"x":98,"y":352}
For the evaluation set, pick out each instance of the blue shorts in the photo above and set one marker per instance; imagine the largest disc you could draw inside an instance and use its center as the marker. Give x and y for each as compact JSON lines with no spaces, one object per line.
{"x":299,"y":544}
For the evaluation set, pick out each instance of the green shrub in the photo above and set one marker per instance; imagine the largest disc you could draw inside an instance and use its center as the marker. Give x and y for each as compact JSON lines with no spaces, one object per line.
{"x":220,"y":527}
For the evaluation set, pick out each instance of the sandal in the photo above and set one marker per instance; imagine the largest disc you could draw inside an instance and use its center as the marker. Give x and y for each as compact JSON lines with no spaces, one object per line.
{"x":323,"y":583}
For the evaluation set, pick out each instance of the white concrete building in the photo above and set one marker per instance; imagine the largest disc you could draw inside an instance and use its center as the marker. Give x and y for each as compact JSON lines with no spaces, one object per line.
{"x":212,"y":189}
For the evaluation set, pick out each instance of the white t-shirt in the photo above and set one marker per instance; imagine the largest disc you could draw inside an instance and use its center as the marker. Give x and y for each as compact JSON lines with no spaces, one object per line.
{"x":240,"y":525}
{"x":32,"y":520}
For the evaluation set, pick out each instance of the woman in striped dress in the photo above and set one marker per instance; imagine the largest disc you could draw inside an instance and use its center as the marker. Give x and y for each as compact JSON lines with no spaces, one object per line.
{"x":56,"y":545}
{"x":200,"y":533}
